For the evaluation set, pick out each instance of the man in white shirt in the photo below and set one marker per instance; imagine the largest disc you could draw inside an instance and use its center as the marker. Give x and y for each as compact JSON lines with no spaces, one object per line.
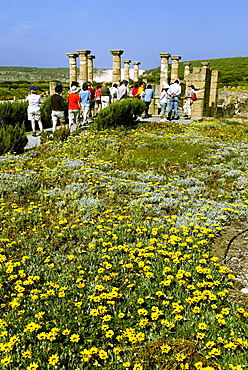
{"x":34,"y":113}
{"x":122,"y":91}
{"x":174,"y":93}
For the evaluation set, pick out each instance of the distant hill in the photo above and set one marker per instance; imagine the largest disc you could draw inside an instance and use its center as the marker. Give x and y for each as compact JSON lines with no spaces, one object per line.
{"x":33,"y":74}
{"x":14,"y":74}
{"x":233,"y":71}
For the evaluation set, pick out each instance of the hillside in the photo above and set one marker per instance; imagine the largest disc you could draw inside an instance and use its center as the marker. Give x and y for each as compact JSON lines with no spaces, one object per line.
{"x":233,"y":71}
{"x":33,"y":74}
{"x":15,"y":81}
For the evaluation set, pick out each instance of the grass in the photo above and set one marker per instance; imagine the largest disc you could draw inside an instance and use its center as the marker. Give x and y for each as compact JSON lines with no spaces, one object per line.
{"x":105,"y":250}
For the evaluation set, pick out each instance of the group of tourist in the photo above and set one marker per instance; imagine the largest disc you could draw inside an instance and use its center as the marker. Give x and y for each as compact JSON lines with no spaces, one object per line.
{"x":87,"y":102}
{"x":169,"y":101}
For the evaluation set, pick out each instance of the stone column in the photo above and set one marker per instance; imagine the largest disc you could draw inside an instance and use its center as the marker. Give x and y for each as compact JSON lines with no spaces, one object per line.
{"x":213,"y":97}
{"x":186,"y":69}
{"x":174,"y":67}
{"x":136,"y":71}
{"x":205,"y":64}
{"x":90,"y":67}
{"x":164,"y":69}
{"x":116,"y":66}
{"x":126,"y":69}
{"x":201,"y":79}
{"x":52,"y":86}
{"x":73,"y":66}
{"x":83,"y":71}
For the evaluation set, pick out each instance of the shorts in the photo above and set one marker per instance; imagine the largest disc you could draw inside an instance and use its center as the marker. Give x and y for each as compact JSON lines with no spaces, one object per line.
{"x":34,"y":115}
{"x":74,"y":116}
{"x":58,"y":116}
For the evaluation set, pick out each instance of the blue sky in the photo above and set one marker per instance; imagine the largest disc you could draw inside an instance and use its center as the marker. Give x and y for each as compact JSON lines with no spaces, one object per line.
{"x":40,"y":33}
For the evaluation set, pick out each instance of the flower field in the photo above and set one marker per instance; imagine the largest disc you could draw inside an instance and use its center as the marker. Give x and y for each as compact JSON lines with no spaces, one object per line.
{"x":105,"y":250}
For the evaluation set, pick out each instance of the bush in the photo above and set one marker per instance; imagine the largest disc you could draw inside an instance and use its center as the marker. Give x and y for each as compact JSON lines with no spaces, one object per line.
{"x":46,"y":111}
{"x":12,"y":139}
{"x":14,"y":114}
{"x":123,"y":113}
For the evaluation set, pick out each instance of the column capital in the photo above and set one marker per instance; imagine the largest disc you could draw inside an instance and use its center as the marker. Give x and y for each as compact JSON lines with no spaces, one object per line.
{"x":187,"y":64}
{"x":165,"y":55}
{"x":204,"y":64}
{"x":72,"y":55}
{"x":84,"y":52}
{"x":127,"y":61}
{"x":136,"y":63}
{"x":91,"y":57}
{"x":175,"y":57}
{"x":117,"y":52}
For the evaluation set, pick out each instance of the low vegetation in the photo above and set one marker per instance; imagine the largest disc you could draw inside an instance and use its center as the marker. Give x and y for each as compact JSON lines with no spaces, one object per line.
{"x":120,"y":114}
{"x":105,"y":250}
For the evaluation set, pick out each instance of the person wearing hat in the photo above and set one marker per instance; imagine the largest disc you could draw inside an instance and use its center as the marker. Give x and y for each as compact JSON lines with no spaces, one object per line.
{"x":190,"y":98}
{"x":34,"y":109}
{"x":122,"y":91}
{"x":73,"y":106}
{"x":163,"y":102}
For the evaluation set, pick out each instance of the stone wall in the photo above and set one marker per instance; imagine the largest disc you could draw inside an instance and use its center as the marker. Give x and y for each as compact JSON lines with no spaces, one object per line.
{"x":232,"y":103}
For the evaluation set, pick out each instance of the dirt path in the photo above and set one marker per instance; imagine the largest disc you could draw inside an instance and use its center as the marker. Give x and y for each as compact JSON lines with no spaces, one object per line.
{"x":235,"y":257}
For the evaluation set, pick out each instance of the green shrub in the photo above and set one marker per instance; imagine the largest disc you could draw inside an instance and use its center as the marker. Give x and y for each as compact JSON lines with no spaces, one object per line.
{"x":12,"y":139}
{"x":123,"y":113}
{"x":14,"y":114}
{"x":46,"y":111}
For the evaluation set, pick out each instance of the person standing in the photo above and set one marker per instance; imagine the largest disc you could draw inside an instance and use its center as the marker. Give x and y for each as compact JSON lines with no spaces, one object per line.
{"x":135,"y":90}
{"x":34,"y":113}
{"x":105,"y":95}
{"x":85,"y":102}
{"x":190,"y":98}
{"x":174,"y":92}
{"x":58,"y":107}
{"x":122,"y":91}
{"x":113,"y":93}
{"x":73,"y":107}
{"x":92,"y":99}
{"x":141,"y":89}
{"x":163,"y":102}
{"x":148,"y":95}
{"x":98,"y":97}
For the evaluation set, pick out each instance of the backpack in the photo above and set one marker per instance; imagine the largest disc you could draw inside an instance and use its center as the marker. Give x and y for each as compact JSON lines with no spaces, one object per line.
{"x":194,"y":97}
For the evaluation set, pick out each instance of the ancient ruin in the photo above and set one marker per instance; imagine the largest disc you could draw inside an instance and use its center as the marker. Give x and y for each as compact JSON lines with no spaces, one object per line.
{"x":203,"y":78}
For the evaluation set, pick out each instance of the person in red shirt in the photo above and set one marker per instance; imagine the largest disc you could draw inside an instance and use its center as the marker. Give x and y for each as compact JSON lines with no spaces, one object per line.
{"x":98,"y":97}
{"x":73,"y":107}
{"x":92,"y":99}
{"x":135,"y":90}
